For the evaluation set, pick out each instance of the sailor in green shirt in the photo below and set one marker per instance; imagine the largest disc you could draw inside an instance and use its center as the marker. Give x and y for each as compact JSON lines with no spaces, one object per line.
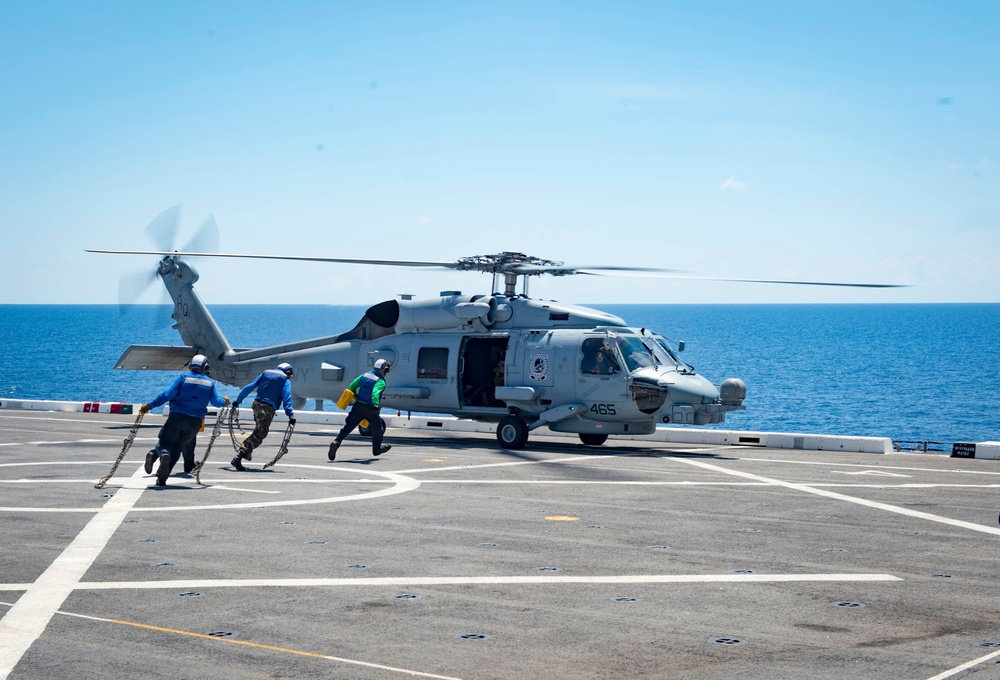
{"x":367,"y":389}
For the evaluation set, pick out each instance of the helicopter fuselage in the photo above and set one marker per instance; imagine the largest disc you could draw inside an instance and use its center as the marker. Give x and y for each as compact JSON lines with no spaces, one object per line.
{"x":518,"y":361}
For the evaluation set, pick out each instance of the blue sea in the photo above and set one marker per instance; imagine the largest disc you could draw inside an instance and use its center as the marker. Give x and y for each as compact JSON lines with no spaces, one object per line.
{"x":912,"y":372}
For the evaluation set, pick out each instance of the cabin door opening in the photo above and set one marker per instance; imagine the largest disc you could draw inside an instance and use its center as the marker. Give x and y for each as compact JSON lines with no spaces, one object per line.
{"x":482,"y":371}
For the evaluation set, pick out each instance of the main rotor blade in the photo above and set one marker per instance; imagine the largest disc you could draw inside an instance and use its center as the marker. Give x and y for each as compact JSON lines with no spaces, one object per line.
{"x":388,"y":263}
{"x":793,"y":283}
{"x":818,"y":283}
{"x":163,"y":229}
{"x":518,"y":268}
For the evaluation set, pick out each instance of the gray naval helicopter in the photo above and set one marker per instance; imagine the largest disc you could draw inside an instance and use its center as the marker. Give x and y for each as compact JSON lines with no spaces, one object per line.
{"x":504,"y":357}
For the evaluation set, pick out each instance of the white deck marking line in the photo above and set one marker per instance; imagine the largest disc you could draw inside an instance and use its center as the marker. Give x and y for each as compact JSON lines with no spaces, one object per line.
{"x":904,"y":485}
{"x":850,"y":499}
{"x":907,"y":485}
{"x":233,"y":488}
{"x":397,"y":581}
{"x":56,"y":462}
{"x":880,"y":473}
{"x":180,"y":481}
{"x":256,"y":645}
{"x":219,"y":484}
{"x":874,"y":465}
{"x":29,"y":616}
{"x":79,"y":441}
{"x":586,"y":482}
{"x":965,"y":666}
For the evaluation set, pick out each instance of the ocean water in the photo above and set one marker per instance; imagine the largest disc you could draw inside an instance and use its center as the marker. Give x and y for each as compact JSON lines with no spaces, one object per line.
{"x":917,"y":372}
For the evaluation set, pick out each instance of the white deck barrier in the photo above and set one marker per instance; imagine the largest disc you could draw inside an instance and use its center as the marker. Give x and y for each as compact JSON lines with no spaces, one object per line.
{"x":673,"y":435}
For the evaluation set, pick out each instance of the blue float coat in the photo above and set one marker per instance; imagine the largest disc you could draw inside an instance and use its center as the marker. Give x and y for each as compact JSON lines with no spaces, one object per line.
{"x":368,"y":388}
{"x":190,"y":394}
{"x":273,"y":387}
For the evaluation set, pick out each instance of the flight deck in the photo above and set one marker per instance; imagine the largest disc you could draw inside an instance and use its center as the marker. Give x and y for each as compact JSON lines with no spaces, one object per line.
{"x":451,"y":557}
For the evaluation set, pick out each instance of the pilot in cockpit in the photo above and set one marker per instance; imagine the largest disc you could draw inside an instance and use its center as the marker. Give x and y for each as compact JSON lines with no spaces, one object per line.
{"x":598,"y":359}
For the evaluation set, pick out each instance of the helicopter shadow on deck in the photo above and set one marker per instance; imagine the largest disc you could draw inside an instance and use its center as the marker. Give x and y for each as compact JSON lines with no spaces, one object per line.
{"x":442,"y":445}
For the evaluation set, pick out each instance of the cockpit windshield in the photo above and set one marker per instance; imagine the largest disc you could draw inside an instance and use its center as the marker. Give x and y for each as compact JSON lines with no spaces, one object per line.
{"x":635,"y":352}
{"x":665,"y":356}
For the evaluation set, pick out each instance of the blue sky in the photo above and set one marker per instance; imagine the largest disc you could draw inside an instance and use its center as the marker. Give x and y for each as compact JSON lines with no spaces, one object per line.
{"x":844,"y":142}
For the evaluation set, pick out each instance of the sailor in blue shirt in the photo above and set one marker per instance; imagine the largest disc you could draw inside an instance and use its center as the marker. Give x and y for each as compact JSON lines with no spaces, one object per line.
{"x":189,"y":396}
{"x":273,"y":386}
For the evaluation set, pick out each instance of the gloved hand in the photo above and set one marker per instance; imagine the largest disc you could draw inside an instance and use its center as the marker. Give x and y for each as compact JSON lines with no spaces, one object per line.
{"x":236,"y":404}
{"x":144,"y":409}
{"x":291,"y":421}
{"x":226,"y":400}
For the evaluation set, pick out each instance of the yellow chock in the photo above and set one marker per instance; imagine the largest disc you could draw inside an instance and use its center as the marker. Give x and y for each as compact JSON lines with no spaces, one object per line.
{"x":346,"y":399}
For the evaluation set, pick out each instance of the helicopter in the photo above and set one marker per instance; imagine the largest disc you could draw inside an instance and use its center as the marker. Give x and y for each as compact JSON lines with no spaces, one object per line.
{"x":503,"y":357}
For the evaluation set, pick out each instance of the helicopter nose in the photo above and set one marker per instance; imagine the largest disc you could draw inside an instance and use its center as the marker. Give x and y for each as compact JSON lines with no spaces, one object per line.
{"x":690,"y":389}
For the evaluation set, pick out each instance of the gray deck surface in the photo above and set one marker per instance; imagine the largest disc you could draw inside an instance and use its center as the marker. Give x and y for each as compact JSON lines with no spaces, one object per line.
{"x":450,"y":557}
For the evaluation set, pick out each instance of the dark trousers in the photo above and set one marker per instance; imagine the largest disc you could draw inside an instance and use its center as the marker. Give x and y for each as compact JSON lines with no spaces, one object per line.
{"x":263,"y":414}
{"x":177,"y":433}
{"x":189,"y":454}
{"x":361,"y":411}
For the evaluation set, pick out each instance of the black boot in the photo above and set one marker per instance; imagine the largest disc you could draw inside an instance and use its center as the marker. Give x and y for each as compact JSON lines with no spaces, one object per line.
{"x":382,"y":449}
{"x":332,"y":453}
{"x":164,"y":470}
{"x":238,"y":464}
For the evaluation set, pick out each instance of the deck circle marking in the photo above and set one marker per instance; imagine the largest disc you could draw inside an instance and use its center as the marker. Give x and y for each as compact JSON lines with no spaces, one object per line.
{"x":400,"y":484}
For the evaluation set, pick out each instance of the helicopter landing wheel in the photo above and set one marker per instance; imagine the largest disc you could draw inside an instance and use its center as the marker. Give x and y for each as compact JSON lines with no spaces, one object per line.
{"x":367,"y":431}
{"x":592,"y":439}
{"x":512,"y":432}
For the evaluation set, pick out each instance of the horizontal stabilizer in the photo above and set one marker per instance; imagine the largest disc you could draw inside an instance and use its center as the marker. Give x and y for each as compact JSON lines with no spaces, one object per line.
{"x":155,"y":358}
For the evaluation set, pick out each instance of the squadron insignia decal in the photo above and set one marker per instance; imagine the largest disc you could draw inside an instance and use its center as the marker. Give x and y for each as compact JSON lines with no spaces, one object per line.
{"x":539,"y":369}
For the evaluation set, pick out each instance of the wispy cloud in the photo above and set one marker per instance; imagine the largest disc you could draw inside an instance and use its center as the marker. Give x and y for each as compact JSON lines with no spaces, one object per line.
{"x":734,"y":185}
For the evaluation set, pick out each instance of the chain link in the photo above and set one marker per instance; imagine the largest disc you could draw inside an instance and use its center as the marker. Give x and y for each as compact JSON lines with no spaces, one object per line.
{"x":215,"y":434}
{"x":234,"y":424}
{"x":283,"y":449}
{"x":125,"y":447}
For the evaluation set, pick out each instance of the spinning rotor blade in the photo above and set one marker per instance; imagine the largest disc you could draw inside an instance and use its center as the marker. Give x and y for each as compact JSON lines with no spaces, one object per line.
{"x":132,"y":286}
{"x":163,"y":229}
{"x":206,"y":239}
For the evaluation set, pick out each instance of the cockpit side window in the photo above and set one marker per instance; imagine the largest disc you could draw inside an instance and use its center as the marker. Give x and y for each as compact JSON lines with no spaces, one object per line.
{"x":636,"y":354}
{"x":598,"y":359}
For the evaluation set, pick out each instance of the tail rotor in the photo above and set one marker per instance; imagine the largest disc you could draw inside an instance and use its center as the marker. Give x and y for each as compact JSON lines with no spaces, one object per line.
{"x":162,"y":232}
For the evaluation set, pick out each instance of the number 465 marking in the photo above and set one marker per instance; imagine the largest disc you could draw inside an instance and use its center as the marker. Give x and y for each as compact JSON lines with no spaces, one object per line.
{"x":604,"y":409}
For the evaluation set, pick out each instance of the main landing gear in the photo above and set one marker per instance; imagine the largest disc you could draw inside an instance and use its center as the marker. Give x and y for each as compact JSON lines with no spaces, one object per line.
{"x":512,"y":432}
